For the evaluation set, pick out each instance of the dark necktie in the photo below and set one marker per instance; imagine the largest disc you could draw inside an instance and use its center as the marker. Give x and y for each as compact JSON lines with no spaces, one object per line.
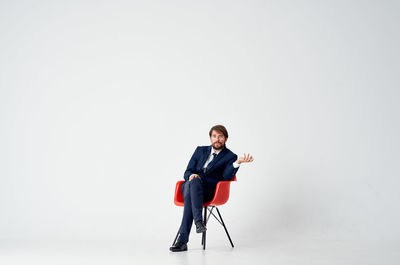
{"x":211,"y":163}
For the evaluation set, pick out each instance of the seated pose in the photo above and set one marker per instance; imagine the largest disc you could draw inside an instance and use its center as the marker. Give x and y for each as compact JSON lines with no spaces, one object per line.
{"x":208,"y":165}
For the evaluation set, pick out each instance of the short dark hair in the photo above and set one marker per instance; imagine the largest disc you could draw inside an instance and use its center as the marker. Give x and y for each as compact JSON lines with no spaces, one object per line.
{"x":219,"y":128}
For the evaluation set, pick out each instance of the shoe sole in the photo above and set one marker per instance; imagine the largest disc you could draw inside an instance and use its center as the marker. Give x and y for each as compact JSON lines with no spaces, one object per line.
{"x":178,"y":250}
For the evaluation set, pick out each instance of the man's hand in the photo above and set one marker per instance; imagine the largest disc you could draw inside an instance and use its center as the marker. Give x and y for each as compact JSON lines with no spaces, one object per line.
{"x":245,"y":159}
{"x":193,"y":176}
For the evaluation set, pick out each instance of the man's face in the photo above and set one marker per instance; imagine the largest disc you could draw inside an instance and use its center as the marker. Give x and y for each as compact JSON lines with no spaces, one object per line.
{"x":217,"y":140}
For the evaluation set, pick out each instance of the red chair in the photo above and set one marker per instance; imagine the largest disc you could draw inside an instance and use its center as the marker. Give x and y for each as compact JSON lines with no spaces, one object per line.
{"x":221,"y":196}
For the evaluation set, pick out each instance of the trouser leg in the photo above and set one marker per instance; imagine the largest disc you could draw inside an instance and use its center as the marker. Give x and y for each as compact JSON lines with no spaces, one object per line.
{"x":193,"y":204}
{"x":187,"y":218}
{"x":196,"y":194}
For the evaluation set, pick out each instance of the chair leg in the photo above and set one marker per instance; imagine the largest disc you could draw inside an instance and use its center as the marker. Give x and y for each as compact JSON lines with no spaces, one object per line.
{"x":223,"y":224}
{"x":176,"y":236}
{"x":203,"y":241}
{"x":202,"y":238}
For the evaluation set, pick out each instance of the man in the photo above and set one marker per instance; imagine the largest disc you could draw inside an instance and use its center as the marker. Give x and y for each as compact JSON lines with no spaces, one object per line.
{"x":208,"y":166}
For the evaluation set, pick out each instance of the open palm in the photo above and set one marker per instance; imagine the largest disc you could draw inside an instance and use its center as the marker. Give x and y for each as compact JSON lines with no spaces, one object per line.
{"x":245,"y":159}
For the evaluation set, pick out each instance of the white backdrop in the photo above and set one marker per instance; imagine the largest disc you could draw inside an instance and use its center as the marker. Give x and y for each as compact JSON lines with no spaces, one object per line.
{"x":102,"y":103}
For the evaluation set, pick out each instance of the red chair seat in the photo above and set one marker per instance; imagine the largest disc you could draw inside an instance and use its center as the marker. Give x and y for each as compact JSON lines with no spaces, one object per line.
{"x":221,"y":195}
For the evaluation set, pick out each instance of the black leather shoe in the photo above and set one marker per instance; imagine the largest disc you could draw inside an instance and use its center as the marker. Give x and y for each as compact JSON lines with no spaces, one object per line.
{"x":200,"y":227}
{"x":179,"y":246}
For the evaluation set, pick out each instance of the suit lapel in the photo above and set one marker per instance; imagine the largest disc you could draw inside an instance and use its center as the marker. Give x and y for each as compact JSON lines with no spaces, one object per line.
{"x":205,"y":156}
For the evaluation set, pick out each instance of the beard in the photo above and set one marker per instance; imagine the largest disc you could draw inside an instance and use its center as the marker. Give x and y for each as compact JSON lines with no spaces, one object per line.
{"x":218,"y":146}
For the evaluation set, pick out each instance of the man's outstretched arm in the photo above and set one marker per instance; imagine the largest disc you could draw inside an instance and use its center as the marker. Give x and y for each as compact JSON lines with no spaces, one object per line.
{"x":233,"y":166}
{"x":230,"y":169}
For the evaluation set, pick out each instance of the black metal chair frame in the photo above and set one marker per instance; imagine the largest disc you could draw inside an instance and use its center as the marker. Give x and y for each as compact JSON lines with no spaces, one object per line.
{"x":205,"y":220}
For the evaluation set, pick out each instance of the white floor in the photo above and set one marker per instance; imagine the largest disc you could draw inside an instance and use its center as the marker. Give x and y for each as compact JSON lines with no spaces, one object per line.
{"x":269,"y":252}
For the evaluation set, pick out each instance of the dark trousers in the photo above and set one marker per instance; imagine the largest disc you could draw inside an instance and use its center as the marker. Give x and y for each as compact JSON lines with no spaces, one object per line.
{"x":194,"y":193}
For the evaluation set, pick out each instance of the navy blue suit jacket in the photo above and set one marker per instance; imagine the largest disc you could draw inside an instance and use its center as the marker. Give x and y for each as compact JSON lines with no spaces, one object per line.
{"x":222,"y":168}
